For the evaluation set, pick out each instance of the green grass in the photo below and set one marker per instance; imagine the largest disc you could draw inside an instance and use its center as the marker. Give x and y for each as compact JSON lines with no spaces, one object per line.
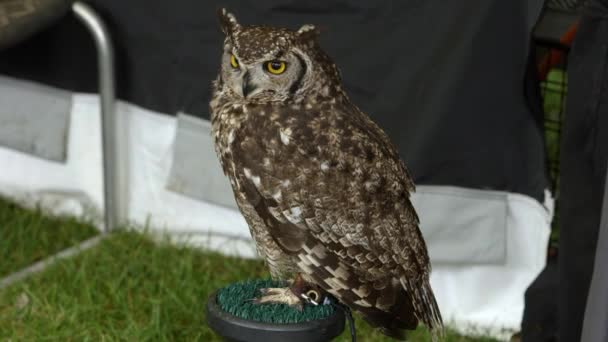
{"x":129,"y":288}
{"x":554,"y":90}
{"x":27,"y":236}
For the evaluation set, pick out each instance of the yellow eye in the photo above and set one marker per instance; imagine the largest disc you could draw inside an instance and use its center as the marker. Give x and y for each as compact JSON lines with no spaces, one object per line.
{"x":233,"y":62}
{"x":276,"y":67}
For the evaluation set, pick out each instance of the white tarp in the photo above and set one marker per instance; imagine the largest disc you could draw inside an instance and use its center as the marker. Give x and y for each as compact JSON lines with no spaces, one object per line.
{"x":37,"y":127}
{"x":482,"y":262}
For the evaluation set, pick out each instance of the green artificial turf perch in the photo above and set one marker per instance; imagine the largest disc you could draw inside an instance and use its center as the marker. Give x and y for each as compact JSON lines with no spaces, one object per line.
{"x":236,"y":299}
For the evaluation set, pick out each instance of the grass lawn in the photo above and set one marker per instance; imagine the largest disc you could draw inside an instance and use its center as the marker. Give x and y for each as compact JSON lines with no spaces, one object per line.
{"x":27,"y":236}
{"x":127,"y":288}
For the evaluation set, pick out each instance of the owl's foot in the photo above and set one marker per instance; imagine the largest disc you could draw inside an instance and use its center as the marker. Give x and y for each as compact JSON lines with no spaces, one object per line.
{"x":296,"y":295}
{"x":279,"y":295}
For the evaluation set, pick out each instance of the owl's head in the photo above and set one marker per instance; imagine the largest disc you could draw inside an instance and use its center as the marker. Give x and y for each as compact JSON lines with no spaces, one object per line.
{"x":273,"y":64}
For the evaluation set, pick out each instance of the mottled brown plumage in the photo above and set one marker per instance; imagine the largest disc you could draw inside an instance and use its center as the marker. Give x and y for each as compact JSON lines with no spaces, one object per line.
{"x":320,"y":185}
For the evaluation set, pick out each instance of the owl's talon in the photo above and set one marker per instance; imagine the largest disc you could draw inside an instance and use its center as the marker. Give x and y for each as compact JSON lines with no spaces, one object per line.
{"x":279,"y":295}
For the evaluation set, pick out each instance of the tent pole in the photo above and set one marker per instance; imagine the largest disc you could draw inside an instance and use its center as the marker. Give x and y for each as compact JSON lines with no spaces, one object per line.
{"x":105,"y":61}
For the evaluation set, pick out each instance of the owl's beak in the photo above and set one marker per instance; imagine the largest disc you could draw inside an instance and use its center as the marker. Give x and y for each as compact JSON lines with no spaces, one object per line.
{"x":248,"y":86}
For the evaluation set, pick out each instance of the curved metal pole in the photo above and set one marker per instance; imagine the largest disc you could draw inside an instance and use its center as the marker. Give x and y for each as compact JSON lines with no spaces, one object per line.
{"x":105,"y":62}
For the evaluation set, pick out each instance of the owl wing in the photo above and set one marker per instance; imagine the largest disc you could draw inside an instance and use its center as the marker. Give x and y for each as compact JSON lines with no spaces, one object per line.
{"x":334,"y":194}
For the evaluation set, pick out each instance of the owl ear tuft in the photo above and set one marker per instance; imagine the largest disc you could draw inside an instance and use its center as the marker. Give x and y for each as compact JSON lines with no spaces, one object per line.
{"x":308,"y":32}
{"x":228,"y":22}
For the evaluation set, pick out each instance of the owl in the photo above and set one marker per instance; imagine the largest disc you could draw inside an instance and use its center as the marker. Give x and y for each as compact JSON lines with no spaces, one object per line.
{"x":321,"y":186}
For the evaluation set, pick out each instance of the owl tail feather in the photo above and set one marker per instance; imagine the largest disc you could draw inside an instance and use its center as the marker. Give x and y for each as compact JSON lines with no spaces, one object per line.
{"x":425,"y":306}
{"x":397,"y":320}
{"x":385,"y":323}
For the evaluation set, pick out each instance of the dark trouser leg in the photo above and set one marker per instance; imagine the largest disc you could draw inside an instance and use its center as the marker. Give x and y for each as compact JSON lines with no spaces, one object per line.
{"x":583,"y":171}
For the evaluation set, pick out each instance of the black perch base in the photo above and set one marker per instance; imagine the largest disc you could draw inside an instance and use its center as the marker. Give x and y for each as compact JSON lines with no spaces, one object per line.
{"x":234,"y":329}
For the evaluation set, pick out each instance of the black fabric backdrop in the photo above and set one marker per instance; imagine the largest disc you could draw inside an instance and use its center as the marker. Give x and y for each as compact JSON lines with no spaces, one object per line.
{"x":445,"y":79}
